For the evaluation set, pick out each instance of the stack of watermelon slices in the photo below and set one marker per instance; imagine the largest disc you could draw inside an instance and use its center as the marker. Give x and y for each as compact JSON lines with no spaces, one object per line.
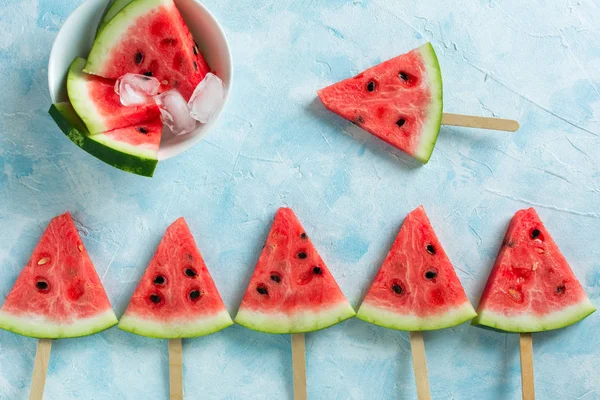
{"x":145,"y":37}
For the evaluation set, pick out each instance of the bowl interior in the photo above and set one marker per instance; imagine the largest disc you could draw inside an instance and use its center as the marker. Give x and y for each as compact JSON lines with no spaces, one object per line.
{"x":76,"y":36}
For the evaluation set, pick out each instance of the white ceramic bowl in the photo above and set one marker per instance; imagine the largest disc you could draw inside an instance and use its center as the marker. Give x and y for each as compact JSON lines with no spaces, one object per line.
{"x":77,"y":34}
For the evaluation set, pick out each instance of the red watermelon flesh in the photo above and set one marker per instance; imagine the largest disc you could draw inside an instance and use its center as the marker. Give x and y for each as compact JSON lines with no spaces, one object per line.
{"x":95,"y":101}
{"x":416,"y":288}
{"x":58,"y":294}
{"x":149,"y":37}
{"x":531,"y":287}
{"x":291,"y":289}
{"x":176,"y":296}
{"x":399,"y":101}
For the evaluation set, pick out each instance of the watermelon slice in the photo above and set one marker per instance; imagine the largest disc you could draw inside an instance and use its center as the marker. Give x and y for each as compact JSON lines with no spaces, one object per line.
{"x":399,"y":101}
{"x":133,"y":149}
{"x":176,"y":297}
{"x":531,"y":287}
{"x":99,"y":106}
{"x":416,"y":288}
{"x":58,"y":294}
{"x":291,"y":290}
{"x":149,"y":37}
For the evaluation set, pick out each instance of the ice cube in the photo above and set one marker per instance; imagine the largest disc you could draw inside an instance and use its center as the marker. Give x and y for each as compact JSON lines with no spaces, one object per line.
{"x":175,"y":112}
{"x":207,"y":98}
{"x":134,"y":89}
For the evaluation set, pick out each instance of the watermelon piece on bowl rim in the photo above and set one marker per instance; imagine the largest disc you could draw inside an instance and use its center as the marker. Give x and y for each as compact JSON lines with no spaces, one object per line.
{"x":399,"y":101}
{"x":176,"y":296}
{"x":149,"y":37}
{"x":416,"y":288}
{"x":291,"y":289}
{"x":531,"y":287}
{"x":58,"y":294}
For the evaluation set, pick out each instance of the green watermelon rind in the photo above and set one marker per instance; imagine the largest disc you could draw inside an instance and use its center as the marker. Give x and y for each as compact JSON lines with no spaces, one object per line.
{"x":299,"y":322}
{"x":80,"y":99}
{"x":183,"y":328}
{"x":402,"y":322}
{"x":431,"y":128}
{"x":113,"y":9}
{"x":42,"y":328}
{"x":114,"y":30}
{"x":96,"y":145}
{"x":528,"y":323}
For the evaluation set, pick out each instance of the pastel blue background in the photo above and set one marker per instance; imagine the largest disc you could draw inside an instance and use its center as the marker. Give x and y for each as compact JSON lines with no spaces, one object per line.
{"x":276,"y":146}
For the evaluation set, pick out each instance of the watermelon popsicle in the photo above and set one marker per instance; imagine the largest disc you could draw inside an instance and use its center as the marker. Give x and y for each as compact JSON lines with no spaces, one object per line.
{"x":531,"y":288}
{"x":57,"y":295}
{"x":292,"y":291}
{"x":415,"y":290}
{"x":176,"y":298}
{"x":400,"y":101}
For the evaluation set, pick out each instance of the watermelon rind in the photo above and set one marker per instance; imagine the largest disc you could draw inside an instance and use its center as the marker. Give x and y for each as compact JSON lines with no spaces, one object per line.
{"x":114,"y":30}
{"x":392,"y":320}
{"x":183,"y":328}
{"x":113,"y":9}
{"x":42,"y":328}
{"x":298,"y":322}
{"x":539,"y":323}
{"x":433,"y":121}
{"x":80,"y":99}
{"x":101,"y":147}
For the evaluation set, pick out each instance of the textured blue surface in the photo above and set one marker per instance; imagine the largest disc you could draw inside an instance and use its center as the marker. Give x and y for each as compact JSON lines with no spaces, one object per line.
{"x":276,"y":146}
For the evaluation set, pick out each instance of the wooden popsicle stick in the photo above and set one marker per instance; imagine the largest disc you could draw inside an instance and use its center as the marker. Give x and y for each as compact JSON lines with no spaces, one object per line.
{"x":40,"y":368}
{"x":299,"y":365}
{"x":175,"y":369}
{"x":470,"y":121}
{"x":527,"y":386}
{"x":417,"y":346}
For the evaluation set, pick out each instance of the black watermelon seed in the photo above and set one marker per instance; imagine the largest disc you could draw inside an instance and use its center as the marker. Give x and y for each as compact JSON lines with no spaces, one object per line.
{"x":317,"y":271}
{"x":275,"y":278}
{"x":371,"y":86}
{"x":560,"y":289}
{"x":42,"y":285}
{"x":139,"y":57}
{"x":148,"y":73}
{"x":155,"y":298}
{"x":195,"y":50}
{"x":430,"y":249}
{"x":359,"y":120}
{"x":400,"y":122}
{"x":195,"y":65}
{"x":262,"y":289}
{"x":302,"y":255}
{"x":535,"y":233}
{"x":510,"y":244}
{"x":194,"y":294}
{"x":159,"y":280}
{"x":190,"y":272}
{"x":303,"y":235}
{"x":397,"y":288}
{"x":143,"y":130}
{"x":430,"y":274}
{"x":403,"y":75}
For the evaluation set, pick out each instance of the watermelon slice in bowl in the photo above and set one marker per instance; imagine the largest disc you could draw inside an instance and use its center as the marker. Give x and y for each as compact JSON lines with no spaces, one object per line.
{"x":77,"y":36}
{"x":176,"y":296}
{"x":531,"y":287}
{"x":416,"y":288}
{"x":291,"y":289}
{"x":58,"y":294}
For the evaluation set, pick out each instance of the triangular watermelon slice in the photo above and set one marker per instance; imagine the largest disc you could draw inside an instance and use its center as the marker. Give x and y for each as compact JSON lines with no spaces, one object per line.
{"x":416,"y":288}
{"x":58,"y":294}
{"x":291,"y":289}
{"x":176,"y":297}
{"x":149,"y":37}
{"x":531,"y":287}
{"x":98,"y":105}
{"x":133,"y":149}
{"x":399,"y":101}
